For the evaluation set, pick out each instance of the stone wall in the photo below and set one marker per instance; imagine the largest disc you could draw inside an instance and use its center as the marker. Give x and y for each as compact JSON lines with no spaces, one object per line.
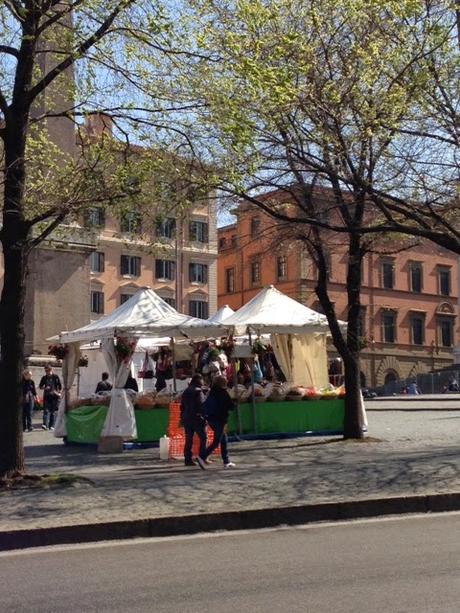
{"x":57,"y":296}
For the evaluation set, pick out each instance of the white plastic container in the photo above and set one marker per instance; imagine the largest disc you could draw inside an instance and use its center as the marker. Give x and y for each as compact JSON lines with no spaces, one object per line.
{"x":164,"y":447}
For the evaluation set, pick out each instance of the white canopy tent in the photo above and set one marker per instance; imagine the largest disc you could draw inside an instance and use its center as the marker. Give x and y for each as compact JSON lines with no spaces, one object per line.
{"x":298,"y":334}
{"x":221,"y":315}
{"x":145,"y":314}
{"x":271,"y":311}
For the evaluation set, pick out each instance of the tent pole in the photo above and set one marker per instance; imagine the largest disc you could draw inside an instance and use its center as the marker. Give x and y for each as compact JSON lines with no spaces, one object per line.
{"x":173,"y":347}
{"x":237,"y":398}
{"x":253,"y":400}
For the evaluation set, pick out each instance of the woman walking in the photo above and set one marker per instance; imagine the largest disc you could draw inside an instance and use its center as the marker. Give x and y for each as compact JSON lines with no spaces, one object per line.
{"x":216,"y":409}
{"x":29,"y":396}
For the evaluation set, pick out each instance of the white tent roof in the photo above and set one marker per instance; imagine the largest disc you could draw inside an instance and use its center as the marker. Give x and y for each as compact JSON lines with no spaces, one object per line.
{"x":271,"y":311}
{"x":144,"y":314}
{"x":221,"y":315}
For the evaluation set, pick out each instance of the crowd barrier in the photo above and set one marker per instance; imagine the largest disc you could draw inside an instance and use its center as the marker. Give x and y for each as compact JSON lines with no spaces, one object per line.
{"x":176,"y":435}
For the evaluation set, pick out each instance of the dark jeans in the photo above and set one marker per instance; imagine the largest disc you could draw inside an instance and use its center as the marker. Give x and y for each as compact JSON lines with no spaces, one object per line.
{"x":220,"y":436}
{"x":27,"y":408}
{"x":50,"y":407}
{"x":191,"y":428}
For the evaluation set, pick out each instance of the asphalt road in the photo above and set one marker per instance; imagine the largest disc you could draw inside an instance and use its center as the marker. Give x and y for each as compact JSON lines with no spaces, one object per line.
{"x":409,"y":564}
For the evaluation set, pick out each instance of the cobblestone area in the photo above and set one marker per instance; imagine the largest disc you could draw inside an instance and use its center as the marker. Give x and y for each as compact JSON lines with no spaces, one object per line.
{"x":408,"y":453}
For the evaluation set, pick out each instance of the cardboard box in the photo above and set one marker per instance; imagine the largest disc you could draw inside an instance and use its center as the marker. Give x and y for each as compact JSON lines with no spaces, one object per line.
{"x":110,"y":444}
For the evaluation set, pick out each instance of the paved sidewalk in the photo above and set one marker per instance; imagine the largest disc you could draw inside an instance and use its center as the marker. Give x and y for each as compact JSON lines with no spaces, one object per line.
{"x":418,"y":453}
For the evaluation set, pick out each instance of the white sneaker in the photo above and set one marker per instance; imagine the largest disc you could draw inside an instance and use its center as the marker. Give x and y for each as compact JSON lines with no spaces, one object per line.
{"x":52,"y":428}
{"x":230,"y":465}
{"x":44,"y":427}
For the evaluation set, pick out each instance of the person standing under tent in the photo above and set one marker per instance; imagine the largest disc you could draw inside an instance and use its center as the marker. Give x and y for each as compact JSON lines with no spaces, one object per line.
{"x":104,"y":384}
{"x":191,"y":412}
{"x":163,"y":370}
{"x":29,"y":396}
{"x":131,"y":384}
{"x":217,"y":406}
{"x":51,"y":386}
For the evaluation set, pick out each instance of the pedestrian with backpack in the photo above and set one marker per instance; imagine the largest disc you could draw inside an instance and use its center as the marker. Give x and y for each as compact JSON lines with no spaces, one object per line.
{"x":216,"y":408}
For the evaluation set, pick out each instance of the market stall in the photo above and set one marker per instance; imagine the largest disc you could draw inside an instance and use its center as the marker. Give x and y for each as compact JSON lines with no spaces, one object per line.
{"x":298,"y":336}
{"x":144,"y":315}
{"x":84,"y":424}
{"x":304,"y":403}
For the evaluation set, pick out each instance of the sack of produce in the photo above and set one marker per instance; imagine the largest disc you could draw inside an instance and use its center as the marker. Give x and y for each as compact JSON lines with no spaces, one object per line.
{"x":277,"y":392}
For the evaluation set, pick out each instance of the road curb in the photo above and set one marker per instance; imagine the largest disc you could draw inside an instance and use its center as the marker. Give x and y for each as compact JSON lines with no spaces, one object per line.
{"x":228,"y":521}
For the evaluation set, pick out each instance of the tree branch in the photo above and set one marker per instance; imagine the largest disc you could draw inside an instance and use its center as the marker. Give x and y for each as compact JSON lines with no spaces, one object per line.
{"x":79,"y":51}
{"x":47,"y":231}
{"x":57,"y":16}
{"x":9,"y":50}
{"x":4,"y":108}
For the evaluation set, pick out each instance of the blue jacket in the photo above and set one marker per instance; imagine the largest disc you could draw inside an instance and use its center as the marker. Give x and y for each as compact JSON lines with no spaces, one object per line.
{"x":218,"y":404}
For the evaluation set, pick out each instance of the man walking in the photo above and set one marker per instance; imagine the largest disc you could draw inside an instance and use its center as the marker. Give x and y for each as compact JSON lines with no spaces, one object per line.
{"x":51,"y":386}
{"x":191,"y":411}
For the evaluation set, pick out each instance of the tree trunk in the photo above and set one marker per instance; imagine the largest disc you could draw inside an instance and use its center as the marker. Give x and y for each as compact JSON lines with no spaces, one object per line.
{"x":12,"y":361}
{"x":352,"y":426}
{"x":14,"y":236}
{"x":348,"y":349}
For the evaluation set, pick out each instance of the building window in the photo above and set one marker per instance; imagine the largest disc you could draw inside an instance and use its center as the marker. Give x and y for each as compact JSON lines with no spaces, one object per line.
{"x":198,"y":273}
{"x":125,"y":297}
{"x":94,"y":217}
{"x":255,"y":273}
{"x":255,"y":227}
{"x":222,"y":242}
{"x":388,"y":327}
{"x":198,"y":231}
{"x":97,"y":302}
{"x":234,"y":240}
{"x":198,"y":308}
{"x":387,"y":275}
{"x":281,"y":268}
{"x":166,"y":228}
{"x":444,"y":281}
{"x":445,"y":331}
{"x":96,"y":261}
{"x":130,"y":265}
{"x":165,"y":269}
{"x":230,"y":280}
{"x":417,"y":329}
{"x":170,"y":301}
{"x":130,"y":223}
{"x":416,"y":276}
